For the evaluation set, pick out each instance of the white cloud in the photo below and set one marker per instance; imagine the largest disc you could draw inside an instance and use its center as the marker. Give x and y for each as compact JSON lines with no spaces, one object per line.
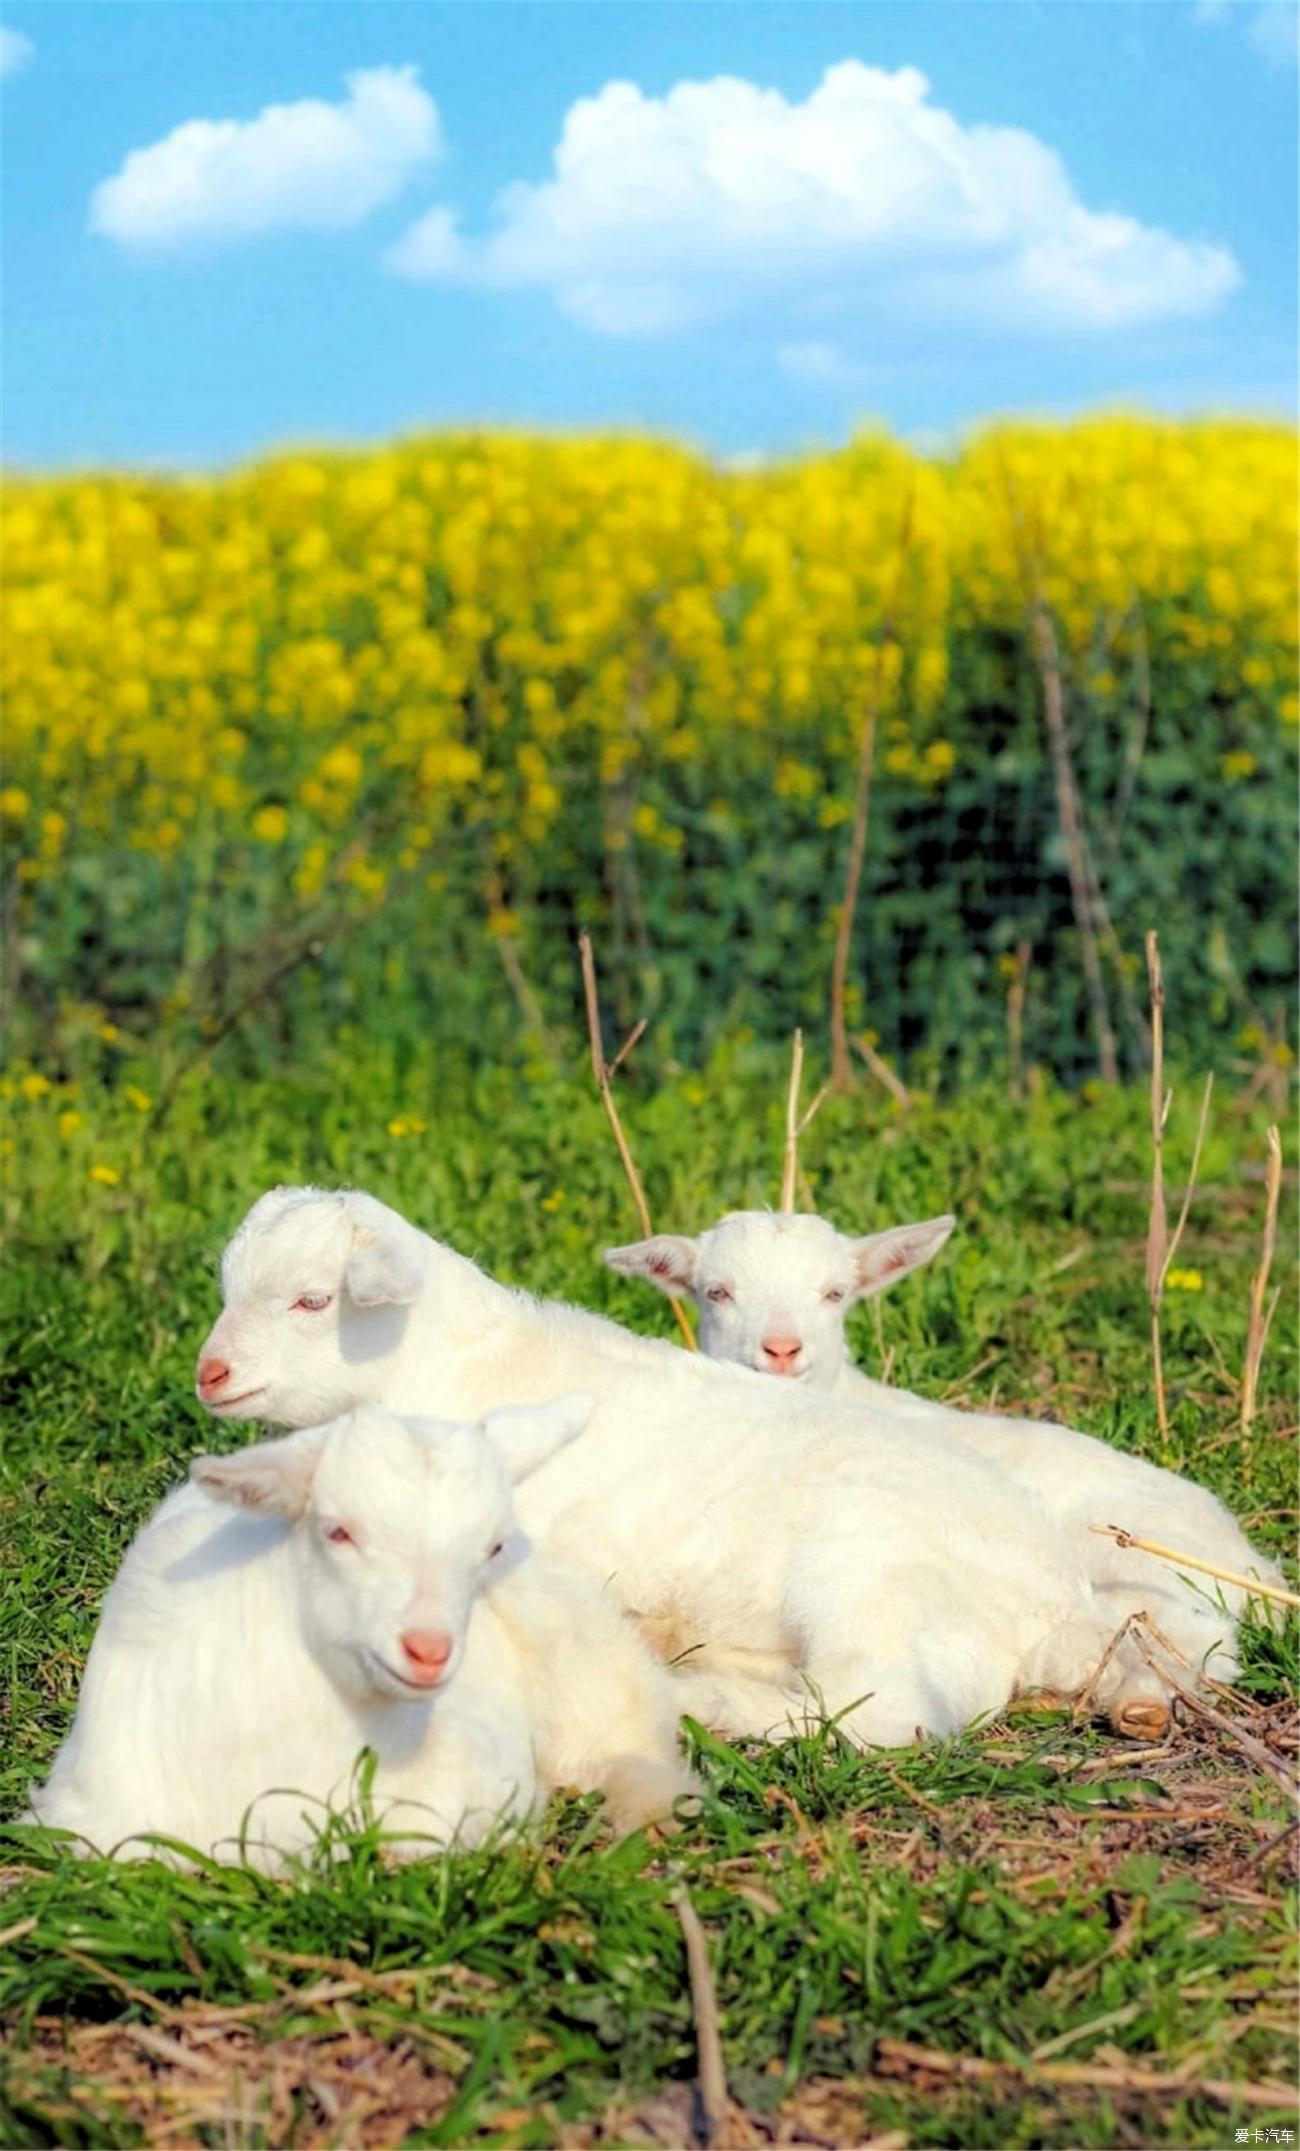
{"x":866,"y":201}
{"x":15,"y":52}
{"x":429,"y":249}
{"x":308,"y":166}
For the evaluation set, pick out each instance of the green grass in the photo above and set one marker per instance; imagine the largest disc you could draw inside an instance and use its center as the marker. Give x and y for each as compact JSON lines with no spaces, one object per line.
{"x":1033,"y":1885}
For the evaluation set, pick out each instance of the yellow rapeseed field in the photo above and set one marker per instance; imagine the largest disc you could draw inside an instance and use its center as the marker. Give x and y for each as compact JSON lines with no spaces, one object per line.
{"x":459,"y":618}
{"x":301,"y":678}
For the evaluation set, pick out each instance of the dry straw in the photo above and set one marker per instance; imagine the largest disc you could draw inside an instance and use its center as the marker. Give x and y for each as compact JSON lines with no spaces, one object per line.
{"x":604,"y":1072}
{"x":1251,"y":1584}
{"x":1162,"y":1246}
{"x":795,"y":1126}
{"x":1261,"y":1316}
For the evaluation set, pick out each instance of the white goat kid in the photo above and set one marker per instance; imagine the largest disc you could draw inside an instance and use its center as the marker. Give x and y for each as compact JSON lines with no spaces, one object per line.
{"x":910,"y":1584}
{"x":371,"y":1590}
{"x":773,"y":1292}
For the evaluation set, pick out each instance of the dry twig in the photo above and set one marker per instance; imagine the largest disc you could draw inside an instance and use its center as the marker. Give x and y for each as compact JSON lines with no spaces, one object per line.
{"x":1260,"y":1315}
{"x":794,"y":1126}
{"x":881,"y":1069}
{"x":604,"y":1072}
{"x":704,"y":2008}
{"x":1255,"y":1751}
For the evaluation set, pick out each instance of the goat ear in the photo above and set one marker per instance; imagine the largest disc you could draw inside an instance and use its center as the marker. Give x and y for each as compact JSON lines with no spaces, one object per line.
{"x":668,"y":1260}
{"x":385,"y":1268}
{"x":272,"y":1477}
{"x":525,"y":1435}
{"x":882,"y":1258}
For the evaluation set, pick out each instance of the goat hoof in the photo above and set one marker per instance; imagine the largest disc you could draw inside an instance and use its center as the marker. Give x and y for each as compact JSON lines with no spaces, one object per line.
{"x":1146,"y":1719}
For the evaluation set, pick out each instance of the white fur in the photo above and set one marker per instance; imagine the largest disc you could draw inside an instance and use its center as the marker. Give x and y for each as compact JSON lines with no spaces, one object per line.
{"x":910,"y":1584}
{"x":245,"y":1656}
{"x":758,"y":1278}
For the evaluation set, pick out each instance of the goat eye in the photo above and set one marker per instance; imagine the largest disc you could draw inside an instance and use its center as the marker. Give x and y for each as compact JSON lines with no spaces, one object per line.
{"x":339,"y":1535}
{"x":834,"y":1296}
{"x":312,"y":1302}
{"x":718,"y":1294}
{"x":493,"y":1551}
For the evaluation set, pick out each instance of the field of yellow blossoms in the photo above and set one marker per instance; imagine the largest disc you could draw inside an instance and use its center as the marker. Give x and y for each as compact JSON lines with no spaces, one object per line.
{"x":474,"y":690}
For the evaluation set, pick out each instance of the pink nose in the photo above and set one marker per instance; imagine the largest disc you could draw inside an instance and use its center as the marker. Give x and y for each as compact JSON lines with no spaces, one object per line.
{"x":427,"y":1653}
{"x":212,"y":1375}
{"x":781,"y":1353}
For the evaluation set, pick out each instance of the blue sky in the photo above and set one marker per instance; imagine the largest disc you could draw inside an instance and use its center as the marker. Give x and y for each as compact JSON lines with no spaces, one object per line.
{"x":752,"y":227}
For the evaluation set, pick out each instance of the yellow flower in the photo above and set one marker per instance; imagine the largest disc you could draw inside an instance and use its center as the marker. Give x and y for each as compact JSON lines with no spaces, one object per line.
{"x":366,"y":875}
{"x":342,"y":765}
{"x":14,"y":802}
{"x":1184,"y":1281}
{"x":554,"y":1201}
{"x":35,"y":1086}
{"x":1237,"y":765}
{"x":406,"y":1124}
{"x":68,"y":1124}
{"x":140,"y":1099}
{"x":794,"y":780}
{"x":105,"y":1176}
{"x":270,"y":824}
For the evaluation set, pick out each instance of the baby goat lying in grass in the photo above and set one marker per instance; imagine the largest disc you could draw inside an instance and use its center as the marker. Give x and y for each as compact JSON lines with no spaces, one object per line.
{"x":371,"y":1589}
{"x":773,"y":1291}
{"x":908,"y":1583}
